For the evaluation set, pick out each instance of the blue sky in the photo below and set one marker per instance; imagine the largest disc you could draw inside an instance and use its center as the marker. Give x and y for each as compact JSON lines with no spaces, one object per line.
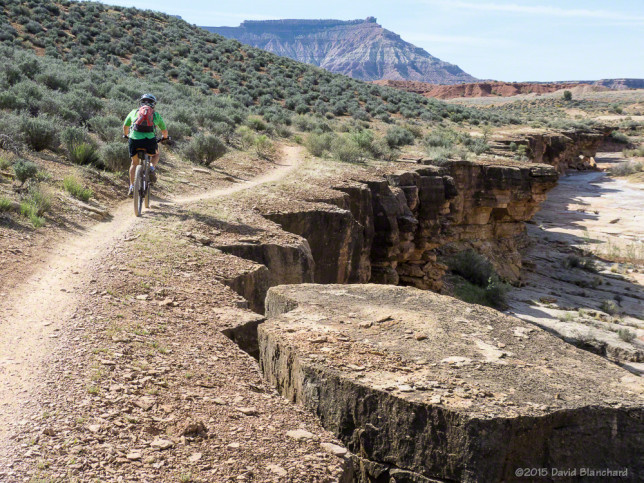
{"x":511,"y":40}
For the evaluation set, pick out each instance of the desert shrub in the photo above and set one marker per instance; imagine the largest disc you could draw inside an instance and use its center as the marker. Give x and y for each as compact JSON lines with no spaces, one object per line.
{"x":319,"y":144}
{"x":4,"y":163}
{"x":626,"y":168}
{"x":40,"y":133}
{"x":399,"y":136}
{"x":76,"y":189}
{"x":381,"y":150}
{"x":438,"y":154}
{"x":472,"y":267}
{"x":256,"y":123}
{"x":619,"y":137}
{"x":635,"y":153}
{"x":346,"y":150}
{"x":5,"y":204}
{"x":440,"y":138}
{"x":204,"y":149}
{"x":609,"y":306}
{"x":25,"y":170}
{"x":481,"y":283}
{"x":35,"y":205}
{"x":114,"y":156}
{"x":567,"y":95}
{"x":493,"y":295}
{"x":478,"y":146}
{"x":245,"y":137}
{"x":108,"y":128}
{"x":179,"y":130}
{"x":264,"y":147}
{"x":575,"y":261}
{"x":626,"y":335}
{"x":84,"y":154}
{"x":364,"y":139}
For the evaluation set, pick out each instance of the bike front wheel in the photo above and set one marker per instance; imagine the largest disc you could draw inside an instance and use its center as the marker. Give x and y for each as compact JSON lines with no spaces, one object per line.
{"x":147,"y":185}
{"x":138,"y":191}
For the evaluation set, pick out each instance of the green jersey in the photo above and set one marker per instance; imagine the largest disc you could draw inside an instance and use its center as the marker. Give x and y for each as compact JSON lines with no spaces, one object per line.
{"x":158,"y":122}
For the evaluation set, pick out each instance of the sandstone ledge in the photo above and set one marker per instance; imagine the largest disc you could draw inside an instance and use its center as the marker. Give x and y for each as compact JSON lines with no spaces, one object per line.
{"x":420,"y":384}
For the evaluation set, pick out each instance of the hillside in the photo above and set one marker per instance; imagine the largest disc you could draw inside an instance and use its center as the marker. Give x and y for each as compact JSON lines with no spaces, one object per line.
{"x":361,"y":49}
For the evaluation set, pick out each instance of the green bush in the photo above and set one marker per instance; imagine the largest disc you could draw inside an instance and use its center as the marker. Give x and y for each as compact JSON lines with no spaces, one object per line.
{"x":478,"y":146}
{"x":108,"y":127}
{"x":34,"y":206}
{"x":567,"y":95}
{"x":319,"y":144}
{"x":76,"y":189}
{"x":626,"y":168}
{"x":245,"y":136}
{"x":179,"y":130}
{"x":5,"y":204}
{"x":619,"y":137}
{"x":399,"y":136}
{"x":439,"y":155}
{"x":4,"y":163}
{"x":635,"y":153}
{"x":114,"y":156}
{"x":264,"y":147}
{"x":25,"y":170}
{"x":575,"y":261}
{"x":256,"y":123}
{"x":40,"y":133}
{"x":481,"y":284}
{"x":626,"y":335}
{"x":204,"y":149}
{"x":346,"y":150}
{"x":609,"y":306}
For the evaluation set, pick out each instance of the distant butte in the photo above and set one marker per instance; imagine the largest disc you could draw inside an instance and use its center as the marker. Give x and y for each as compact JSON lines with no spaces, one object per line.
{"x":361,"y":49}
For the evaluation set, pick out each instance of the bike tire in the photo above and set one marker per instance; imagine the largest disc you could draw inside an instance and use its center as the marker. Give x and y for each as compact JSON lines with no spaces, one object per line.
{"x":147,"y":184}
{"x":138,"y":184}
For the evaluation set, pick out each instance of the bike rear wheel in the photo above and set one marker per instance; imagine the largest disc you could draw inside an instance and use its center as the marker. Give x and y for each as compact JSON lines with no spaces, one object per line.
{"x":138,"y":191}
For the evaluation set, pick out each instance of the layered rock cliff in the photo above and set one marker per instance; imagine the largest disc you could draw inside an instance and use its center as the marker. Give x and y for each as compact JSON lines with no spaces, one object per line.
{"x":478,"y":89}
{"x":424,"y":388}
{"x":358,"y":48}
{"x":572,"y":149}
{"x":391,"y":228}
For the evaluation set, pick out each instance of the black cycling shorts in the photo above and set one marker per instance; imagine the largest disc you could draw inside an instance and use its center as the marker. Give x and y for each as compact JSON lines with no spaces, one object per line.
{"x":149,"y":144}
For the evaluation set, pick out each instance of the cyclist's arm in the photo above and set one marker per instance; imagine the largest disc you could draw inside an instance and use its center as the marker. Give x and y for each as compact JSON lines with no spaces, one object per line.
{"x":126,"y":124}
{"x":158,"y":120}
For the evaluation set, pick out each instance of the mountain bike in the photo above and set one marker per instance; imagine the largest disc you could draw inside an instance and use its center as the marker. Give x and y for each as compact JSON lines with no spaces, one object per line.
{"x":142,"y":180}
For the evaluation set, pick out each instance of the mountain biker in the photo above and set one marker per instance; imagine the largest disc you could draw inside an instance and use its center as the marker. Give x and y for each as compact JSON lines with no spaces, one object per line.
{"x":142,"y":135}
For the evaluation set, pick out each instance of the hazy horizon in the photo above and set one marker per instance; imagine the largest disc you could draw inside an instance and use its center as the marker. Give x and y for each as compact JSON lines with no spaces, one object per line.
{"x":537,"y":41}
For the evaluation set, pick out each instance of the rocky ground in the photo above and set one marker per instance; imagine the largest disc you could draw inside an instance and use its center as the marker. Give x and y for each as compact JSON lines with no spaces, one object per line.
{"x":583,"y":277}
{"x":124,"y":344}
{"x":424,"y":386}
{"x":115,"y":368}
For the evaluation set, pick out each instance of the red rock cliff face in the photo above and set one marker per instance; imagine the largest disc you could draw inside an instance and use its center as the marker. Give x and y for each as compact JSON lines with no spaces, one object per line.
{"x":476,"y":89}
{"x":391,"y":229}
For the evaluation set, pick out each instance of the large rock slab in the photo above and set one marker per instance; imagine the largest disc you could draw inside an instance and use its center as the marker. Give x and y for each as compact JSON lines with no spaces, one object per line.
{"x":423,"y":387}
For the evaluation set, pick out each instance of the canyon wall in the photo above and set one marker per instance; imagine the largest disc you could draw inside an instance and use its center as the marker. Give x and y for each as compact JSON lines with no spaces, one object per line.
{"x":391,"y":228}
{"x":571,"y":149}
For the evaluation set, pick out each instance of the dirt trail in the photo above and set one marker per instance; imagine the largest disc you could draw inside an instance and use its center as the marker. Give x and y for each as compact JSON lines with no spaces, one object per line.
{"x":33,"y":313}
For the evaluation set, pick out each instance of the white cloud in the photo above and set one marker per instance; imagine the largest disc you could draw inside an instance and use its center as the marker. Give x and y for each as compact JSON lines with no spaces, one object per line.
{"x":540,"y":10}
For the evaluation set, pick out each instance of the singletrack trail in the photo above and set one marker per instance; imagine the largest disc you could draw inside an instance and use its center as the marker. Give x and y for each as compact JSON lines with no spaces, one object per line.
{"x":33,"y":313}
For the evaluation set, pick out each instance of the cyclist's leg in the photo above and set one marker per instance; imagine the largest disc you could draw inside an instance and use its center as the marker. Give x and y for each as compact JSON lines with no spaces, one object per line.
{"x":154,"y":152}
{"x":132,"y":145}
{"x":135,"y":163}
